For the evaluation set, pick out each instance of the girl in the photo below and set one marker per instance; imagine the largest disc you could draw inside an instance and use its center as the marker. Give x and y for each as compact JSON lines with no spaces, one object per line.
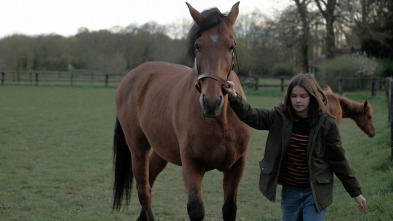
{"x":303,"y":150}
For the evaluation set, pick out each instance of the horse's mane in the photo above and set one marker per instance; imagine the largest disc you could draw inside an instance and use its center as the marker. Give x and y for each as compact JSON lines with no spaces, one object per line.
{"x":354,"y":106}
{"x":213,"y":17}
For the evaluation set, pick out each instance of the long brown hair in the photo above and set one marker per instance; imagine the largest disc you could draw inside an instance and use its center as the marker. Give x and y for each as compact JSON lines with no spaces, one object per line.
{"x":318,"y":99}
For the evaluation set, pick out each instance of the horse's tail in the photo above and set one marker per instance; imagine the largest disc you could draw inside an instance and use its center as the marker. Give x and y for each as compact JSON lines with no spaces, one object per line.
{"x":123,"y":168}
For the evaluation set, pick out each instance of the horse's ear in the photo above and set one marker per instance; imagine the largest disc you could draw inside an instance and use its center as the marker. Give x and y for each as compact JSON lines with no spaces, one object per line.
{"x":233,"y":14}
{"x":196,"y":15}
{"x":365,"y":104}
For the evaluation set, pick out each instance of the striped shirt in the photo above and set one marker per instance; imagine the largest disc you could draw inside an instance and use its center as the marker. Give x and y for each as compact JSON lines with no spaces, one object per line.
{"x":294,"y":169}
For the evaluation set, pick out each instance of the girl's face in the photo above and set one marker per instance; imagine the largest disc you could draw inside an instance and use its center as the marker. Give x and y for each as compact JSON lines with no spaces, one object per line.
{"x":300,"y":101}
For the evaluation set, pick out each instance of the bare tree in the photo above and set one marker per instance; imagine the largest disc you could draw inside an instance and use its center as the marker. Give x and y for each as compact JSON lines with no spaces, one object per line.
{"x":327,"y":10}
{"x":304,"y":41}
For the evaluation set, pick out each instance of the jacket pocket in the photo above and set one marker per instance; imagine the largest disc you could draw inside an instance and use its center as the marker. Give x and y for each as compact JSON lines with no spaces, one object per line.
{"x":267,"y":179}
{"x":265,"y":168}
{"x":324,"y":190}
{"x":324,"y":178}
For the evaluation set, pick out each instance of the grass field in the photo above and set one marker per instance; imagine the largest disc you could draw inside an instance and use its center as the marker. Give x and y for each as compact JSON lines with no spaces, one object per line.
{"x":56,"y":161}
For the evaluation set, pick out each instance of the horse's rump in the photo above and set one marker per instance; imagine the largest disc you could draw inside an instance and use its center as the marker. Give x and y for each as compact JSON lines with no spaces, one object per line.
{"x":334,"y":105}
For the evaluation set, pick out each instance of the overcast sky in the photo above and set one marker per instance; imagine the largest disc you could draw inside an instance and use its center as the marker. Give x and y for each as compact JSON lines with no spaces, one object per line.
{"x":64,"y":17}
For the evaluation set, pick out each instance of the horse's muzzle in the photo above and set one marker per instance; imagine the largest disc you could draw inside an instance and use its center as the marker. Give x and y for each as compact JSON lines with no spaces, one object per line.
{"x":211,"y":107}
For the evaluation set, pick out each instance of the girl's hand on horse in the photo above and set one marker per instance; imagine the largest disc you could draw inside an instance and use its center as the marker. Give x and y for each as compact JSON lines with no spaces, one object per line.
{"x":231,"y":89}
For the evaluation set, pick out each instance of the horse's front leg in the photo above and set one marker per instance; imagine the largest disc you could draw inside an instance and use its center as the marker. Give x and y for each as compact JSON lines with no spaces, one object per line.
{"x":231,"y":183}
{"x":192,"y":177}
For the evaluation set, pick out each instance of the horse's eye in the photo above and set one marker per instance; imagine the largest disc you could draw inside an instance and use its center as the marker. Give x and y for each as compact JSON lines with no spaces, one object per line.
{"x":231,"y":48}
{"x":369,"y":117}
{"x":197,"y":48}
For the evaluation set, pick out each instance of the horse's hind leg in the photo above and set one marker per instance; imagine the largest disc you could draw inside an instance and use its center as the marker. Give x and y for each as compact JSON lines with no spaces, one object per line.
{"x":156,"y":166}
{"x":140,"y":164}
{"x":231,"y":184}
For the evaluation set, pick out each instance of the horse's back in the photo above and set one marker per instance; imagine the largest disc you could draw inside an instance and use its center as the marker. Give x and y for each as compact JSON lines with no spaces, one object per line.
{"x":151,"y":73}
{"x":150,"y":78}
{"x":145,"y":104}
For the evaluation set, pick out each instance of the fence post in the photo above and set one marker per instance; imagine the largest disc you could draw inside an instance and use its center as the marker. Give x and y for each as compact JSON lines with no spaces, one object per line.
{"x":380,"y":83}
{"x":36,"y":79}
{"x":373,"y":87}
{"x":389,"y":97}
{"x":340,"y":85}
{"x":31,"y":78}
{"x":282,"y":83}
{"x":106,"y":80}
{"x":2,"y":78}
{"x":391,"y":113}
{"x":72,"y":79}
{"x":256,"y":83}
{"x":391,"y":117}
{"x":92,"y":77}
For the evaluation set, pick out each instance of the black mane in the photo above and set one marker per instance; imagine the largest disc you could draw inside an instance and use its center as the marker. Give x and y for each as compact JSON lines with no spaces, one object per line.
{"x":213,"y":17}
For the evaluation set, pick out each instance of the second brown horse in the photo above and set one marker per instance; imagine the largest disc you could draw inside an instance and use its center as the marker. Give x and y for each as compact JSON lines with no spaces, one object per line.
{"x":361,"y":113}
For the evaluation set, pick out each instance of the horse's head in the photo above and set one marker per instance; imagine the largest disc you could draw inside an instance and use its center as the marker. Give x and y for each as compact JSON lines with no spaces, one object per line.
{"x":212,"y":46}
{"x":364,"y":120}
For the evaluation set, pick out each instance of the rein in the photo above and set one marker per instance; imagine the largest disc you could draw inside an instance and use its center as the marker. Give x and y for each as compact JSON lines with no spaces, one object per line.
{"x":214,"y":76}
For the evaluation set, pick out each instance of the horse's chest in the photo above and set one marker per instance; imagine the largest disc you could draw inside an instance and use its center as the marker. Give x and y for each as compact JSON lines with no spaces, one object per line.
{"x":216,"y":153}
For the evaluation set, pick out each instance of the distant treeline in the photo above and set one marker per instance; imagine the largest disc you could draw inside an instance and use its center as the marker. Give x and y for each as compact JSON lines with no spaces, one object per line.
{"x":288,"y":43}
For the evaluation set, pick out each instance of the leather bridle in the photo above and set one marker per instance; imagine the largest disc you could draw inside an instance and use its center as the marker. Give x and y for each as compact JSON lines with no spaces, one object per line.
{"x":214,"y":76}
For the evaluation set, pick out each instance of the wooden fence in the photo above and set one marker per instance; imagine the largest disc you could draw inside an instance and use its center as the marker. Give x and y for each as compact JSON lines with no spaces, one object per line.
{"x":93,"y":78}
{"x":71,"y":78}
{"x":371,"y":83}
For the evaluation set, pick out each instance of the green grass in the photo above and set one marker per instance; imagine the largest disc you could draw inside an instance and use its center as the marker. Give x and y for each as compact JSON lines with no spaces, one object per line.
{"x":56,"y":161}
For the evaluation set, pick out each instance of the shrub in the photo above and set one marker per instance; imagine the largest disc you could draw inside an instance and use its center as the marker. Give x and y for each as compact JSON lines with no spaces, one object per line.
{"x":384,"y":68}
{"x":282,"y":70}
{"x":364,"y":65}
{"x":355,"y":65}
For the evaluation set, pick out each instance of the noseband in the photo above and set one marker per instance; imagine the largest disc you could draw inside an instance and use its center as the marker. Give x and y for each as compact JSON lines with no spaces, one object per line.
{"x":214,"y":76}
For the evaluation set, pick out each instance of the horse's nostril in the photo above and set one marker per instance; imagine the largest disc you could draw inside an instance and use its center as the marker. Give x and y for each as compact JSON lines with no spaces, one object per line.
{"x":218,"y":104}
{"x":205,"y":100}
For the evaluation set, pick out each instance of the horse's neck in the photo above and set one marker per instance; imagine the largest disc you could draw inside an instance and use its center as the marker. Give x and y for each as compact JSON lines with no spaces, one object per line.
{"x":349,"y":107}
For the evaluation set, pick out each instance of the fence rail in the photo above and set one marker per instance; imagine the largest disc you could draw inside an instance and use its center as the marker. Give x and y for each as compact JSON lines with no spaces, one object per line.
{"x":70,"y":78}
{"x":86,"y":77}
{"x":340,"y":83}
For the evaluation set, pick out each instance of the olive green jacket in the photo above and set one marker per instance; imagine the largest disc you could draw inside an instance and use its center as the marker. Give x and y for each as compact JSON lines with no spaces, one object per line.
{"x":325,"y":153}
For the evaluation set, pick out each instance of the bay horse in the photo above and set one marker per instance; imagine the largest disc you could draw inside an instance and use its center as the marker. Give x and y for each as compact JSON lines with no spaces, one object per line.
{"x":361,"y":113}
{"x":172,"y":113}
